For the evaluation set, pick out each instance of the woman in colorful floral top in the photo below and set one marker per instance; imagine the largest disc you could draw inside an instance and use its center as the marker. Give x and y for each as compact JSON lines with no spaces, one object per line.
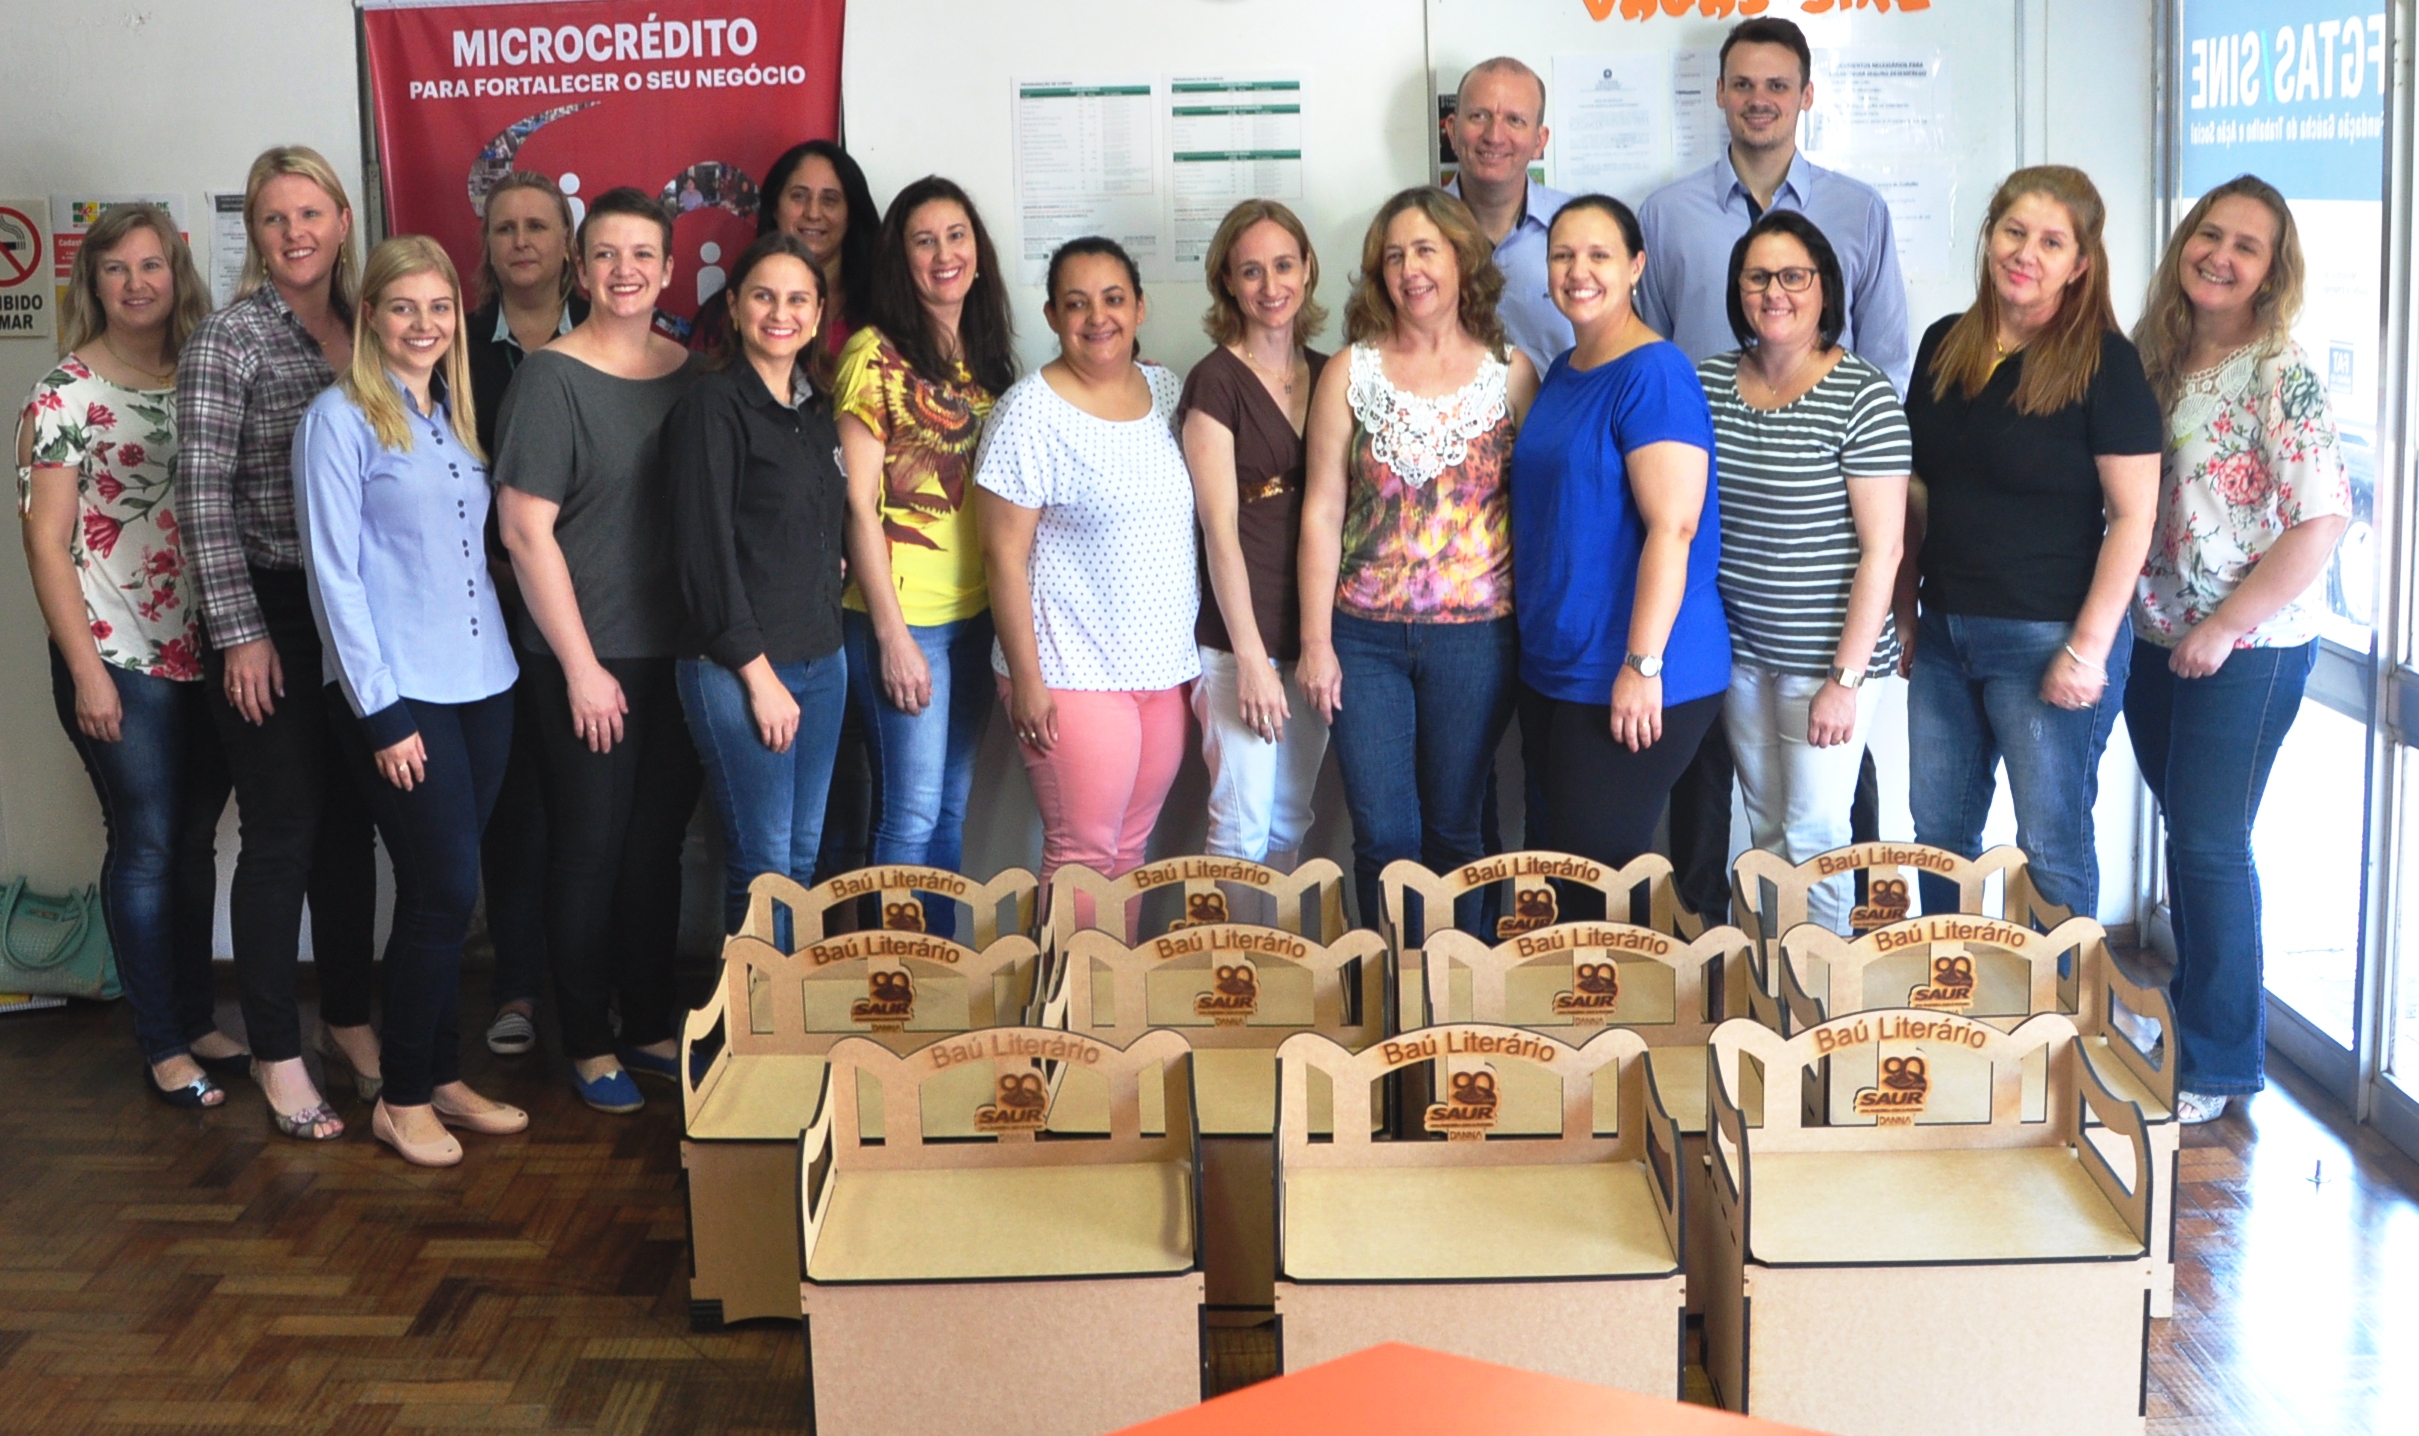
{"x":96,"y":486}
{"x":2252,"y":499}
{"x":1408,"y":645}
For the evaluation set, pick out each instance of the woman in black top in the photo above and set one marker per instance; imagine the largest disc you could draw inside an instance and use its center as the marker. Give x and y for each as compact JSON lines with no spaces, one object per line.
{"x":2037,"y":454}
{"x":529,"y":297}
{"x":758,"y":513}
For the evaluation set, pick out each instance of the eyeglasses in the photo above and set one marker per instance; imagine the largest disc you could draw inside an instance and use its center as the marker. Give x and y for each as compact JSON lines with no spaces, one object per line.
{"x":1794,"y":281}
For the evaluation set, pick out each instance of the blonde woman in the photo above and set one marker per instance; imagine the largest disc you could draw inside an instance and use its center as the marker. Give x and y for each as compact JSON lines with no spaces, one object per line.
{"x":390,"y":487}
{"x":97,"y":489}
{"x":2252,"y":499}
{"x":1408,"y":645}
{"x":1241,"y":418}
{"x":248,"y":373}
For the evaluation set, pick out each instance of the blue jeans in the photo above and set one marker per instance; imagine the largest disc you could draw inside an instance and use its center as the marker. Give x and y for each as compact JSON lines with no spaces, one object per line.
{"x":1424,"y":707}
{"x":162,"y":786}
{"x":1975,"y":700}
{"x":770,"y":804}
{"x":2206,"y":746}
{"x":432,"y":836}
{"x":923,"y":763}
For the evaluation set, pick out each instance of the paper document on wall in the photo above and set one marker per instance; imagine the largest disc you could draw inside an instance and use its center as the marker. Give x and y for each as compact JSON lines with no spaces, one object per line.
{"x":1612,"y":123}
{"x":1698,"y":131}
{"x":72,"y":214}
{"x":1087,"y":163}
{"x":227,"y":239}
{"x":1879,"y":97}
{"x":1231,"y":137}
{"x":1920,"y":195}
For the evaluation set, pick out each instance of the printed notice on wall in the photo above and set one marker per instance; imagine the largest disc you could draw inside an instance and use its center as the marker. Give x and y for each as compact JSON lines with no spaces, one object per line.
{"x":26,"y":300}
{"x":1920,"y":195}
{"x":72,"y":214}
{"x":1087,"y":163}
{"x":1879,"y":98}
{"x":1698,"y":131}
{"x":1231,"y":137}
{"x":1612,"y":123}
{"x":226,"y":209}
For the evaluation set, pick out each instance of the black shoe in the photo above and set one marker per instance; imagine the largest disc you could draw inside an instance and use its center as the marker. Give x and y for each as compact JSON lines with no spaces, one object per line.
{"x":234,"y":1064}
{"x":194,"y":1096}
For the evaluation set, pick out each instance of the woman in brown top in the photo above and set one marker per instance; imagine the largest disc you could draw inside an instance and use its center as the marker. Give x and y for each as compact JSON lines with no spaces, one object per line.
{"x":1242,"y":413}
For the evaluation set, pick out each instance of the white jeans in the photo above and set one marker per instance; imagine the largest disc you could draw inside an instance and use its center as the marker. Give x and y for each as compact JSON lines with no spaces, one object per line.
{"x":1797,"y":795}
{"x":1259,"y":799}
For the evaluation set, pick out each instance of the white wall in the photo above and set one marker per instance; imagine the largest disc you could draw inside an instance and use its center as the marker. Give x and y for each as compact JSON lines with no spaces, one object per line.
{"x":113,"y":96}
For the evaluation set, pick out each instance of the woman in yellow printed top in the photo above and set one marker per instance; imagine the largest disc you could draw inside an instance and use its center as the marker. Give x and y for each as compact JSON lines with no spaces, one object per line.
{"x":915,"y":384}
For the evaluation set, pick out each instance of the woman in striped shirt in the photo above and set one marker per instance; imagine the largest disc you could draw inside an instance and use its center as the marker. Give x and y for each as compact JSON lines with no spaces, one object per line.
{"x":1813,"y":454}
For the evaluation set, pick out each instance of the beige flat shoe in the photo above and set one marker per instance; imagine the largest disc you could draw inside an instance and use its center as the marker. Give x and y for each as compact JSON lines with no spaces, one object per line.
{"x":444,"y":1152}
{"x":500,"y":1120}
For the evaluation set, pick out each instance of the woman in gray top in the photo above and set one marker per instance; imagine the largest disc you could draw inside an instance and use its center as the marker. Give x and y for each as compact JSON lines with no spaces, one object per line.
{"x":585,"y":509}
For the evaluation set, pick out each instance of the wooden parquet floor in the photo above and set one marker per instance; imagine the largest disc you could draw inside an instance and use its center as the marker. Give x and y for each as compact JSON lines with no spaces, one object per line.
{"x":165,"y":1273}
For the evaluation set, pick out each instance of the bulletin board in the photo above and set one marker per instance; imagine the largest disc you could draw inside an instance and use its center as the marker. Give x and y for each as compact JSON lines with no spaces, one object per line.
{"x":1919,"y":101}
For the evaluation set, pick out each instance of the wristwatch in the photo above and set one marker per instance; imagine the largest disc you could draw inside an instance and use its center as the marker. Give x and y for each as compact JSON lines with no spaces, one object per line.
{"x":1648,"y":665}
{"x":1847,"y":677}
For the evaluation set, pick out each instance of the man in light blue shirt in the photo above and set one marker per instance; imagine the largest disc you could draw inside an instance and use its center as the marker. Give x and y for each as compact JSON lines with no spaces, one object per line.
{"x":1498,"y":132}
{"x":1692,"y":223}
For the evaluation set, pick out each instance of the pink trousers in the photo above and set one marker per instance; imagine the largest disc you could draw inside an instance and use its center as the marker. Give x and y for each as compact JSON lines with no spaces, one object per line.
{"x":1100,"y":789}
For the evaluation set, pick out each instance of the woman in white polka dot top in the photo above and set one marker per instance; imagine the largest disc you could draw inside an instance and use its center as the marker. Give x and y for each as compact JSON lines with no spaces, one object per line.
{"x":1087,"y":519}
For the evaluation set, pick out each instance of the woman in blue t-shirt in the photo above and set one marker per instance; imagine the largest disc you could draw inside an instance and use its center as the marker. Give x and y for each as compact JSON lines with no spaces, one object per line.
{"x":1616,"y":538}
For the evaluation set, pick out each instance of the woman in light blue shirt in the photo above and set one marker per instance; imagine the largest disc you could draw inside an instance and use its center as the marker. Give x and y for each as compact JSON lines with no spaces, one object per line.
{"x":390,"y":488}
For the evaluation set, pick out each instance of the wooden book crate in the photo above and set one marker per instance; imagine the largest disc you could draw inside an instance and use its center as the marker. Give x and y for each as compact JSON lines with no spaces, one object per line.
{"x":1899,"y":1278}
{"x":752,"y":1073}
{"x":1011,"y":1279}
{"x":1236,"y":992}
{"x":1177,"y":893}
{"x":2001,"y":973}
{"x":1768,"y":896}
{"x":1557,"y":1253}
{"x":1573,"y":978}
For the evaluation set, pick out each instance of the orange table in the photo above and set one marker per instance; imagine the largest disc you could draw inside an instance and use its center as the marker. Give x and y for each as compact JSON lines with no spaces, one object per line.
{"x":1396,"y":1390}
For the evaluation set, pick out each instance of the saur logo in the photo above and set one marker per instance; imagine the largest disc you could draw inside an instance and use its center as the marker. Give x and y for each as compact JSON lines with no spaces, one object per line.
{"x":1886,"y":901}
{"x":1019,"y":1103}
{"x":1468,"y":1113}
{"x":1203,"y":909}
{"x":1951,"y":988}
{"x":1595,"y":992}
{"x":1899,"y":1098}
{"x":1532,"y":908}
{"x":1233,"y":997}
{"x":888,"y":1003}
{"x":905,"y":916}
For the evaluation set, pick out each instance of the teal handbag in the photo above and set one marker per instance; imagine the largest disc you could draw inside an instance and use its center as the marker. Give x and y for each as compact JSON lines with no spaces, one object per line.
{"x":56,"y":947}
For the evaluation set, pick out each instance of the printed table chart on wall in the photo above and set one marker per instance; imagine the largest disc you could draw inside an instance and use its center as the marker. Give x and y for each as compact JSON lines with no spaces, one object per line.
{"x":1395,"y":1390}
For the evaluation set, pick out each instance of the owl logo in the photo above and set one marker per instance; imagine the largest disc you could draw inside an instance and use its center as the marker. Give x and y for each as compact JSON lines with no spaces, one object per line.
{"x":1597,"y":978}
{"x":1905,"y":1074}
{"x":1203,"y":909}
{"x":1233,"y":996}
{"x":1019,"y":1103}
{"x":1468,"y":1112}
{"x":1886,"y":901}
{"x":1951,"y":988}
{"x":1904,"y":1085}
{"x":889,"y":1001}
{"x":905,"y":916}
{"x":1532,"y":908}
{"x":1595,"y":992}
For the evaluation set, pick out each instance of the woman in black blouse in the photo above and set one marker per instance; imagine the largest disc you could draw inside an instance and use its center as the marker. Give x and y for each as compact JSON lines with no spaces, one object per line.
{"x":2037,"y":458}
{"x":758,"y":513}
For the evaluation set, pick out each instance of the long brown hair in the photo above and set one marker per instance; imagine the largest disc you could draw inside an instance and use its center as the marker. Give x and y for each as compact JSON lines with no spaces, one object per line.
{"x":491,"y":284}
{"x":310,"y":164}
{"x":82,"y":319}
{"x":365,"y":381}
{"x":1369,"y":314}
{"x":1223,"y":320}
{"x":2062,"y":360}
{"x":2164,"y":334}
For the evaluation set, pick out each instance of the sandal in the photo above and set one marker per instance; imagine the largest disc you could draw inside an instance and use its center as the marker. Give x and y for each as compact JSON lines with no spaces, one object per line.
{"x":366,"y":1085}
{"x":302,"y":1126}
{"x":194,"y":1096}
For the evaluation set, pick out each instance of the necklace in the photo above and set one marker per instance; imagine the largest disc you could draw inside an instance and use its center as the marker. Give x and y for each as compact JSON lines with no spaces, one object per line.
{"x":160,"y":374}
{"x":1772,"y":389}
{"x":1284,"y":381}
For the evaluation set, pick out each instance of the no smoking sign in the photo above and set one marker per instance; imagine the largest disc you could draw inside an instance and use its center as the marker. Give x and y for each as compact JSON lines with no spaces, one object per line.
{"x":26,"y":296}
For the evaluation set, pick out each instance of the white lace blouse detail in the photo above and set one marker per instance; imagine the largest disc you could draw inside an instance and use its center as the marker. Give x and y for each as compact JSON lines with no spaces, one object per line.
{"x":1417,"y":436}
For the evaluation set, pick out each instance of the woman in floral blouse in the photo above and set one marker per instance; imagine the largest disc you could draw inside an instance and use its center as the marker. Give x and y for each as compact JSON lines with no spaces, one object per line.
{"x":2252,"y":499}
{"x":95,"y":485}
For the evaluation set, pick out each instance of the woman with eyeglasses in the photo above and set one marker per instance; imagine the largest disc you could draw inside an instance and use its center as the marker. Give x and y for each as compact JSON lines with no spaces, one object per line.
{"x":1812,"y":451}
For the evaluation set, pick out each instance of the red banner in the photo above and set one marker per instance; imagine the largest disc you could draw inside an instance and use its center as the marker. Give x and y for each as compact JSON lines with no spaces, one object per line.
{"x":685,"y":99}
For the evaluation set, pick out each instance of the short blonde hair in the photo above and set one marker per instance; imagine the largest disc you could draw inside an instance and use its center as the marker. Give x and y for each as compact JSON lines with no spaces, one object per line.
{"x":1224,"y":318}
{"x":365,"y":381}
{"x":310,"y":164}
{"x":1369,"y":314}
{"x":491,"y":284}
{"x":82,"y":319}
